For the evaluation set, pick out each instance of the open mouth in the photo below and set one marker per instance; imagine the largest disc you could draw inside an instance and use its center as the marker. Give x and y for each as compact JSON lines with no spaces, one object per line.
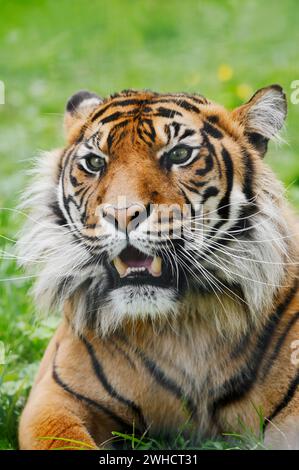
{"x":132,"y":262}
{"x":135,"y":268}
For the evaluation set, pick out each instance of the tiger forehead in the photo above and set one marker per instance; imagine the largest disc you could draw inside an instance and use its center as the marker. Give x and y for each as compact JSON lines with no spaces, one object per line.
{"x":139,"y":105}
{"x":143,"y":102}
{"x":144,"y":118}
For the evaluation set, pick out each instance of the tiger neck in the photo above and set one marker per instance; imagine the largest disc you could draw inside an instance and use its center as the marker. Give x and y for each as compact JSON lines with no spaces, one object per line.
{"x":207,"y":321}
{"x":204,"y":319}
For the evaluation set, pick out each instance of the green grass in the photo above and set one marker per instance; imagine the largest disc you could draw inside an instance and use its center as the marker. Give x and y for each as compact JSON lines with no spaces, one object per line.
{"x":51,"y":49}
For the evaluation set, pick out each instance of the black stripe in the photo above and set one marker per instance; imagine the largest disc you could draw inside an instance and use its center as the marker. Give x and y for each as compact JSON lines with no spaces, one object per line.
{"x":59,"y":169}
{"x":213,"y":119}
{"x":84,"y":398}
{"x":166,"y":382}
{"x":111,"y":136}
{"x":208,"y":144}
{"x":209,"y":163}
{"x":187,"y":133}
{"x":99,"y":371}
{"x":119,"y":102}
{"x":211,"y":191}
{"x":187,"y":106}
{"x":190,"y":188}
{"x":151,"y":132}
{"x":183,"y":103}
{"x":74,"y":181}
{"x":60,"y":218}
{"x":249,"y":175}
{"x":119,"y":125}
{"x":81,"y":190}
{"x":66,"y":157}
{"x":167,"y":132}
{"x":223,"y":208}
{"x":101,"y":112}
{"x":243,"y":343}
{"x":66,"y":200}
{"x":188,"y":201}
{"x":112,"y":117}
{"x":199,"y":184}
{"x":82,"y":200}
{"x":83,"y":207}
{"x":176,"y":99}
{"x":242,"y":227}
{"x":279,"y":344}
{"x":131,"y":101}
{"x":120,"y":137}
{"x":150,"y":136}
{"x":199,"y":99}
{"x":123,"y":353}
{"x":242,"y":381}
{"x":212,"y":130}
{"x":166,"y":112}
{"x":177,"y":126}
{"x":294,"y":384}
{"x":143,"y":136}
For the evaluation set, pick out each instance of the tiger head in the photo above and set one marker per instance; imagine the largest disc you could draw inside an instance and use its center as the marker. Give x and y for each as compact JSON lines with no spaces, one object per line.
{"x":156,"y":198}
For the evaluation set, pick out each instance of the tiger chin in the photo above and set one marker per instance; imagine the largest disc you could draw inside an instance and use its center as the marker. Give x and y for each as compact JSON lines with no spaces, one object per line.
{"x":167,"y":243}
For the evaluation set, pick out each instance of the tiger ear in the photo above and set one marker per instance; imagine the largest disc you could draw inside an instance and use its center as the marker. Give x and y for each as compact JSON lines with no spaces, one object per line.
{"x":78,"y":108}
{"x":263,"y":116}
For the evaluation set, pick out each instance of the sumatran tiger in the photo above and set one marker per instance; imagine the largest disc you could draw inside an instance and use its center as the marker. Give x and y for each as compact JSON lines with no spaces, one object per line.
{"x":169,"y":246}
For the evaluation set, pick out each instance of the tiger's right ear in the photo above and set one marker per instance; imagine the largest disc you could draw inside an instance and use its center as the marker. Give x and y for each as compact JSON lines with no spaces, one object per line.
{"x":78,"y":108}
{"x":263,"y":116}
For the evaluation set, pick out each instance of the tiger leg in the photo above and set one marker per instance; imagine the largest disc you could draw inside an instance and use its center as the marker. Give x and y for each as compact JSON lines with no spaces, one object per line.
{"x":55,"y":418}
{"x":51,"y":420}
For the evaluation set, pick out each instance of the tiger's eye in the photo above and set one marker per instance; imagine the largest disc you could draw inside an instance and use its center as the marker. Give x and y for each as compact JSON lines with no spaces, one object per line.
{"x":95,"y":163}
{"x":179,"y":154}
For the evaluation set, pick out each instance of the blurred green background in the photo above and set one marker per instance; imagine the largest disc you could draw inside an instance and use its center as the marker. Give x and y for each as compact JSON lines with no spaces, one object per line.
{"x":223,"y":49}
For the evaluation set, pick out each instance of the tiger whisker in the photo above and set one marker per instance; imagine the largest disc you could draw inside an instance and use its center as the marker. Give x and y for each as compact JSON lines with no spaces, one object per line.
{"x":214,"y":282}
{"x":239,"y":275}
{"x":275,"y":263}
{"x":219,"y":247}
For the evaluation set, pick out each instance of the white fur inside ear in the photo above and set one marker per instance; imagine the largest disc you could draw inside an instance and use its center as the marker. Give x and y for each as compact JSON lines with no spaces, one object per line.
{"x":87,"y":105}
{"x":266,"y":116}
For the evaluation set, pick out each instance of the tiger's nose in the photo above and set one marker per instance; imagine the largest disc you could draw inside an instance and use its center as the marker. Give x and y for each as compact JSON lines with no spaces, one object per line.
{"x":126,"y":219}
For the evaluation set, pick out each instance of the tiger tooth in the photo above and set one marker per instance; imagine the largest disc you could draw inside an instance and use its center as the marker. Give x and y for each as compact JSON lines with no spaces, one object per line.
{"x":120,"y":266}
{"x":156,"y":266}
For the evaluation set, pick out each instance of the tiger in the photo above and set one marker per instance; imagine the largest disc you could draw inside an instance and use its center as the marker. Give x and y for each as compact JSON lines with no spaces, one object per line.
{"x":169,"y":247}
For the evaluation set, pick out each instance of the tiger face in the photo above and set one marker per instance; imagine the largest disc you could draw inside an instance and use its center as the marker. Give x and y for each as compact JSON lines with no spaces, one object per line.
{"x":150,"y":202}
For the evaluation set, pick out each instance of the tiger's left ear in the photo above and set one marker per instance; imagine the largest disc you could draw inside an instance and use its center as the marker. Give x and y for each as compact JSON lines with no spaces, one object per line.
{"x":263,"y":116}
{"x":78,"y":108}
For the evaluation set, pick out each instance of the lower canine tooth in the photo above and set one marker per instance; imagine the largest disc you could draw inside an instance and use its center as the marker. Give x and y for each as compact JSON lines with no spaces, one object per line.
{"x":156,"y":266}
{"x":120,"y":266}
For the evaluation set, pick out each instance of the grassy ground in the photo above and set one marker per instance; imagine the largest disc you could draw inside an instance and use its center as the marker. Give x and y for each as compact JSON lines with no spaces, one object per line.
{"x":223,"y":49}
